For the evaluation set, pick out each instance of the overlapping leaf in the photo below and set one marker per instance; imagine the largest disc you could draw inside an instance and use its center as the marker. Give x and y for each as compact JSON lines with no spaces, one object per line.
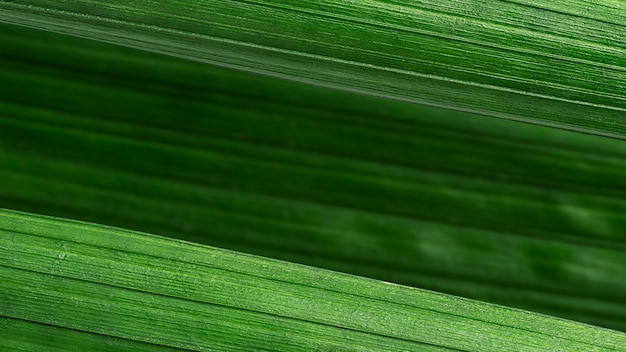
{"x":553,"y":63}
{"x":493,"y":210}
{"x":132,"y":286}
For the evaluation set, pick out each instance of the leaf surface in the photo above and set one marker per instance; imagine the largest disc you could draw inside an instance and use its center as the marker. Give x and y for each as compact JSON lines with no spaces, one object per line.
{"x":558,"y":64}
{"x":493,"y":210}
{"x":166,"y":292}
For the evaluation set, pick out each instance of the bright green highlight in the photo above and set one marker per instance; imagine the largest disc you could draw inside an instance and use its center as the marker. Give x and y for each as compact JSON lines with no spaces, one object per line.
{"x":167,"y":292}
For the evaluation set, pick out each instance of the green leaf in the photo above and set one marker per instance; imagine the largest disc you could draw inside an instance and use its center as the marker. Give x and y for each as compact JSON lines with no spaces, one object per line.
{"x":493,"y":210}
{"x":24,"y":335}
{"x":166,"y":292}
{"x":558,"y":64}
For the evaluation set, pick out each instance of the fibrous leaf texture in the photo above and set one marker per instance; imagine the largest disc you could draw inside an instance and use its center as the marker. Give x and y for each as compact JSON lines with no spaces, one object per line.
{"x":553,"y":63}
{"x":509,"y":213}
{"x":134,"y":289}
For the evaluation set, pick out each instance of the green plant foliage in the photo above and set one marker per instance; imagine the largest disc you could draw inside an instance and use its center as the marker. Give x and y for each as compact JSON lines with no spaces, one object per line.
{"x":554,"y":63}
{"x":489,"y":209}
{"x":25,"y":335}
{"x":149,"y":289}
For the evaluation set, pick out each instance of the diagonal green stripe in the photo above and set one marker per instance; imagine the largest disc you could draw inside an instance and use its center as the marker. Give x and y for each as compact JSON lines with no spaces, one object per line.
{"x":119,"y":283}
{"x":552,"y":64}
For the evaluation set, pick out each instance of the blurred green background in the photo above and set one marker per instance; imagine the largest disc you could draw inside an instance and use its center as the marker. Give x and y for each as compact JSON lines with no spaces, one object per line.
{"x":510,"y":213}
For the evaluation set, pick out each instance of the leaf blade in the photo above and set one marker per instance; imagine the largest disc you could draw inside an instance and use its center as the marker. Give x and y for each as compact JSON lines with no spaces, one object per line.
{"x":492,"y":58}
{"x":513,"y":214}
{"x":79,"y":270}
